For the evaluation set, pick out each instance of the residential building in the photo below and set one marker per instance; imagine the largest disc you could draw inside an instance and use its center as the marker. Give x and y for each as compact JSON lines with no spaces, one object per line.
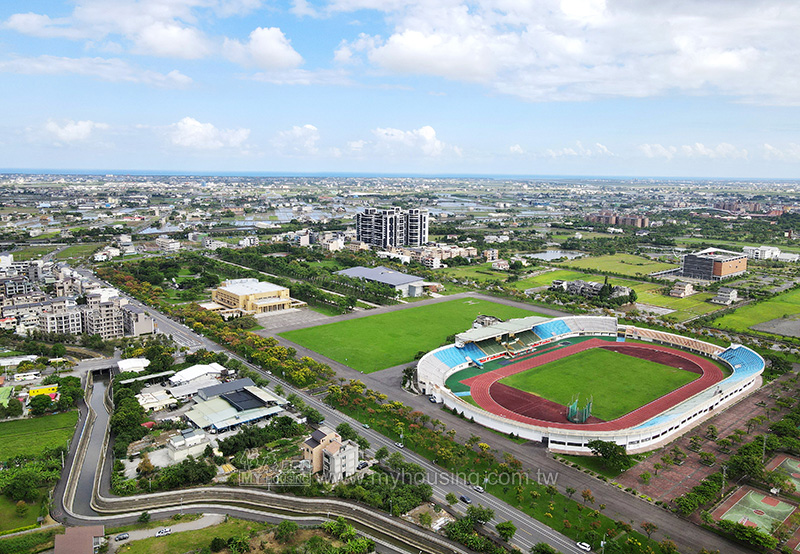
{"x":725,"y":296}
{"x":589,"y":289}
{"x":316,"y":443}
{"x":190,"y":442}
{"x":681,"y":290}
{"x":491,"y":254}
{"x":102,"y":314}
{"x":167,"y":244}
{"x":249,"y":296}
{"x":339,"y":460}
{"x":68,"y":321}
{"x":392,"y":227}
{"x":501,"y":265}
{"x":713,"y":264}
{"x":761,"y":252}
{"x":15,"y":286}
{"x":136,"y":321}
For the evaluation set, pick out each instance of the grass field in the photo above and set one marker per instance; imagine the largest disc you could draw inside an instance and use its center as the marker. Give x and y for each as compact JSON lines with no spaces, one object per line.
{"x":385,"y":340}
{"x":618,"y":383}
{"x":9,"y":518}
{"x":191,"y":541}
{"x":545,"y":279}
{"x":49,"y":431}
{"x":31,"y":253}
{"x":624,"y":264}
{"x":786,"y":304}
{"x":479,"y":273}
{"x":78,"y":251}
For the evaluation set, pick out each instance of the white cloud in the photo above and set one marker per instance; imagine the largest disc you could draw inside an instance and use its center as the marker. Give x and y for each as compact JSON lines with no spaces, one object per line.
{"x":190,"y":133}
{"x":516,"y":149}
{"x":105,"y":69}
{"x":789,"y":153}
{"x":302,"y":8}
{"x":585,"y":49}
{"x":268,"y":48}
{"x":723,"y":150}
{"x":40,"y":25}
{"x":580,"y":151}
{"x":303,"y":77}
{"x":396,"y":142}
{"x":299,"y":140}
{"x":172,"y":41}
{"x":72,"y":131}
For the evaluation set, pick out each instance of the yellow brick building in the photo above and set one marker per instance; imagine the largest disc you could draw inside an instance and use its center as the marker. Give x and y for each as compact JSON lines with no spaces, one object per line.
{"x":250,"y":296}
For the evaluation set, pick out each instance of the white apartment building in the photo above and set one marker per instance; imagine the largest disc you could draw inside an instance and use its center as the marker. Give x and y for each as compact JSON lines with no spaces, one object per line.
{"x":339,"y":460}
{"x":167,"y":244}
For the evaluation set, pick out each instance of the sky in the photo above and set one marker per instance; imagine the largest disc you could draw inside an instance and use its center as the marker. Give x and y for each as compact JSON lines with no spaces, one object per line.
{"x":706,"y":88}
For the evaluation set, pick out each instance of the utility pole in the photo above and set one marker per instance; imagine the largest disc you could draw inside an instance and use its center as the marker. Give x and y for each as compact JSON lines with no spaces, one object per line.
{"x":724,"y":475}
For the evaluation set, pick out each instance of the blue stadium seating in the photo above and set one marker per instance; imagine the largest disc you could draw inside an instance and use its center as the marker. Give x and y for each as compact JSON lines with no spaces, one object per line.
{"x":551,"y":329}
{"x":471,"y":349}
{"x":451,"y":356}
{"x":744,"y":361}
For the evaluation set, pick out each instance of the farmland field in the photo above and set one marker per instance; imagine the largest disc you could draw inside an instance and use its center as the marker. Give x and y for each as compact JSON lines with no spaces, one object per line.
{"x":48,"y":431}
{"x":783,"y":305}
{"x":624,"y":264}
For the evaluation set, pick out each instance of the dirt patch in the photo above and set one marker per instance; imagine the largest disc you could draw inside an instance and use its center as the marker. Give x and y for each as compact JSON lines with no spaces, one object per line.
{"x":788,"y":327}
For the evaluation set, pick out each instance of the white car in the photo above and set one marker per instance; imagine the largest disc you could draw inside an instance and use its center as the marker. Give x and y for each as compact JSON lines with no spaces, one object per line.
{"x":163,"y":532}
{"x":584,"y":546}
{"x":478,"y":488}
{"x":399,"y":445}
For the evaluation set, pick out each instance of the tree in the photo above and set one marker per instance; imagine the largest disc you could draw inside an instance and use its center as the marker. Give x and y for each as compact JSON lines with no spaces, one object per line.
{"x":645,"y":477}
{"x":279,"y":389}
{"x":570,"y":491}
{"x":668,"y":547}
{"x":24,"y":484}
{"x":21,"y":508}
{"x":614,"y":455}
{"x":649,"y":528}
{"x":39,"y":404}
{"x":587,"y":496}
{"x":656,"y":467}
{"x":285,"y":531}
{"x":506,"y":530}
{"x":14,"y":408}
{"x":145,"y":466}
{"x":217,"y":544}
{"x":382,"y":453}
{"x":346,"y":431}
{"x":451,"y":498}
{"x":425,"y":519}
{"x":543,"y":548}
{"x":552,"y":491}
{"x":479,"y":514}
{"x":144,"y":517}
{"x":59,"y":350}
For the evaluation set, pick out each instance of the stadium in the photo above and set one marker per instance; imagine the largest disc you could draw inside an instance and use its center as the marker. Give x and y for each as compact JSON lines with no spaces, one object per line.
{"x":566,"y":381}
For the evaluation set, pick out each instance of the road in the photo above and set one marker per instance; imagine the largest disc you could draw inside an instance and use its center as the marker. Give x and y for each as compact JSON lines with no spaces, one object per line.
{"x":620,"y":505}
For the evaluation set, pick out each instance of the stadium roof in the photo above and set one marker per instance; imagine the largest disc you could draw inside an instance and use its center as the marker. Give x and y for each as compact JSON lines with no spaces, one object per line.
{"x":380,"y":274}
{"x":503,"y":328}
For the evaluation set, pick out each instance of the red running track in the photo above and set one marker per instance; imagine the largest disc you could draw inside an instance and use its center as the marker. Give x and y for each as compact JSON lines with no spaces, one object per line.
{"x":480,"y":385}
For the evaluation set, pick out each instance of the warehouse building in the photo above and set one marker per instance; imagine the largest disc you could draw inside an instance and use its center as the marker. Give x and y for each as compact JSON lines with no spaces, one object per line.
{"x":713,"y":264}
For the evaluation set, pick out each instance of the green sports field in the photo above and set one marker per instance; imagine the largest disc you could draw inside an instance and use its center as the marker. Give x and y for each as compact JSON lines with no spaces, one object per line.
{"x":783,"y":305}
{"x":760,"y":510}
{"x":31,"y":436}
{"x":619,"y":383}
{"x":385,"y":340}
{"x":624,"y":264}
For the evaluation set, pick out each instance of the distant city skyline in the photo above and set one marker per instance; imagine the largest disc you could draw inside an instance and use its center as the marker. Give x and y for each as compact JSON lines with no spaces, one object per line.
{"x":682,"y":89}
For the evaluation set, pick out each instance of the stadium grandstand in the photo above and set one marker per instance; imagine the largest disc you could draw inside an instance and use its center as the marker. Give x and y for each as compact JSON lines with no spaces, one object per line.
{"x":513,"y":338}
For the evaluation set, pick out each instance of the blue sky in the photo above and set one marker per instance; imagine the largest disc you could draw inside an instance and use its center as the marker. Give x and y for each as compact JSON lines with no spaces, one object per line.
{"x":595,"y":87}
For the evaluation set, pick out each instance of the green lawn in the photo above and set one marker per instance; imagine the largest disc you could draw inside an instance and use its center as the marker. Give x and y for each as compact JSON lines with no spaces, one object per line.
{"x":31,"y":436}
{"x":480,"y":273}
{"x":786,"y":304}
{"x":385,"y":340}
{"x":624,"y":264}
{"x":545,"y":279}
{"x":9,"y":518}
{"x":619,"y":383}
{"x":191,"y":541}
{"x":79,"y":251}
{"x":31,"y":252}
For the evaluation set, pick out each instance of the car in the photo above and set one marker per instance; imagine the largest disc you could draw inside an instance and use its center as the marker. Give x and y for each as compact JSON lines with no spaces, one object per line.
{"x":584,"y":546}
{"x":465,"y":499}
{"x":122,"y":537}
{"x":362,"y":465}
{"x":432,"y":399}
{"x":399,"y":445}
{"x":478,"y":488}
{"x":366,"y":426}
{"x":163,"y":532}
